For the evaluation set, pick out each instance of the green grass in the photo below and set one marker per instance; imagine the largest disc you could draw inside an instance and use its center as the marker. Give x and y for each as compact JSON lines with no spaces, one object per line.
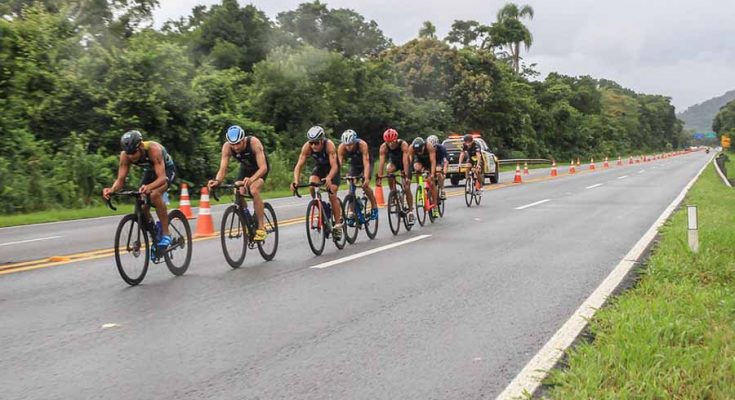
{"x":512,"y":167}
{"x":673,"y":335}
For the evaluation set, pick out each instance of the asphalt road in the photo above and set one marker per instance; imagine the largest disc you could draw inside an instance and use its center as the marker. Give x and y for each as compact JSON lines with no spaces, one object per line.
{"x":453,"y":314}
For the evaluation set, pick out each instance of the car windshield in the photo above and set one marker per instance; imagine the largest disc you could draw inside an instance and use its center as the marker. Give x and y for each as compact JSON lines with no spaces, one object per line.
{"x":453,"y":144}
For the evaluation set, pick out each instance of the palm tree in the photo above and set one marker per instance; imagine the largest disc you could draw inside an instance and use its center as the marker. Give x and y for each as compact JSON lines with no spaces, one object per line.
{"x":510,"y":31}
{"x":428,"y":30}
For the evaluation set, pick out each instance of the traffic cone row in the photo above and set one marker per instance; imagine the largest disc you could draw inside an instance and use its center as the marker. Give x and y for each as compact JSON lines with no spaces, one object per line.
{"x":517,"y":178}
{"x":205,"y":226}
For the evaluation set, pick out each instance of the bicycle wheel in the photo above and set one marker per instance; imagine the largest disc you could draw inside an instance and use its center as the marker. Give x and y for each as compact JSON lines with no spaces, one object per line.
{"x":132,"y":250}
{"x":431,"y":211}
{"x":468,"y":190}
{"x":394,"y":212}
{"x":477,"y":196}
{"x":441,"y":207}
{"x":315,"y":231}
{"x":233,"y":238}
{"x":178,"y":255}
{"x":371,"y":225}
{"x":350,"y":206}
{"x":340,"y":244}
{"x":419,"y":206}
{"x":269,"y":246}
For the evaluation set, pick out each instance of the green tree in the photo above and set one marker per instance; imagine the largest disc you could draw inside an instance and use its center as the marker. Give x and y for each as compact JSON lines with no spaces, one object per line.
{"x":724,"y":121}
{"x":464,"y":33}
{"x":510,"y":32}
{"x":427,"y":31}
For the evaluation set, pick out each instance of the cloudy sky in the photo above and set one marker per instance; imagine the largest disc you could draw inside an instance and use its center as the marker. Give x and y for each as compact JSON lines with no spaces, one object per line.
{"x":684,"y":49}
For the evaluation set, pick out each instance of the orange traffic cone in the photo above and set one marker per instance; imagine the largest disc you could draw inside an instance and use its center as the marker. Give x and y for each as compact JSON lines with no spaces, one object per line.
{"x":578,"y":163}
{"x":184,"y":203}
{"x":525,"y":168}
{"x":592,"y":164}
{"x":517,"y":178}
{"x":553,"y":168}
{"x":205,"y":226}
{"x":572,"y":170}
{"x":379,"y":195}
{"x":620,"y":161}
{"x":630,"y":161}
{"x":606,"y":164}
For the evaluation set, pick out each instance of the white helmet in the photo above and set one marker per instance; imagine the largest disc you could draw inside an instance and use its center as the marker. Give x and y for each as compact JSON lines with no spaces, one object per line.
{"x":433,"y":139}
{"x":315,"y":133}
{"x":349,"y":136}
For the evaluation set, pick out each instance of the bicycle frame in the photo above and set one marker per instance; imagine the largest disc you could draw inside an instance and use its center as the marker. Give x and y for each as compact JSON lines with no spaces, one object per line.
{"x":358,"y":201}
{"x":250,"y":219}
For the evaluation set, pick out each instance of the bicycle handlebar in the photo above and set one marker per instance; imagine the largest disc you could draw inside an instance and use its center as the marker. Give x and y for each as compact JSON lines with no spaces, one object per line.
{"x":310,"y":184}
{"x":223,"y":186}
{"x":131,"y":193}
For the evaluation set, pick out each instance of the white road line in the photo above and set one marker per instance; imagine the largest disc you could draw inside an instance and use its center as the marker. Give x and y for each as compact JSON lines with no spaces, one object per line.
{"x":594,"y":186}
{"x":289,"y":205}
{"x":529,"y":379}
{"x":623,"y":177}
{"x":532,"y":204}
{"x":28,"y":241}
{"x":367,"y":253}
{"x":641,"y":171}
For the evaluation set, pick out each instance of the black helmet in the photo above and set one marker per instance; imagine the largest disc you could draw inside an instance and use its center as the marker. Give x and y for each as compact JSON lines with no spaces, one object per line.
{"x":418,"y":144}
{"x":130,"y":141}
{"x":468,"y":138}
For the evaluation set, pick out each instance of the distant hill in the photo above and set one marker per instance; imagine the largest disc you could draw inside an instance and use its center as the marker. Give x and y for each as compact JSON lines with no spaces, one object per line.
{"x":700,"y":116}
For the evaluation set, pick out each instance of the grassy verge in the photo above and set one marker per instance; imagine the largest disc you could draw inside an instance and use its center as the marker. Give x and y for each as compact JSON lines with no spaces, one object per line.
{"x":673,"y":334}
{"x":512,"y":167}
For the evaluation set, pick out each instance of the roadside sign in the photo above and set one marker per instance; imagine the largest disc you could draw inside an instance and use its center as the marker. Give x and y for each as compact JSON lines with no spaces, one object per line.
{"x":710,"y":135}
{"x":725,"y":142}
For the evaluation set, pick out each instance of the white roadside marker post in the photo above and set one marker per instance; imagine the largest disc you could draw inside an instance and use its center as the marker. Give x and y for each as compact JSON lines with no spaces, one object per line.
{"x":693,"y":228}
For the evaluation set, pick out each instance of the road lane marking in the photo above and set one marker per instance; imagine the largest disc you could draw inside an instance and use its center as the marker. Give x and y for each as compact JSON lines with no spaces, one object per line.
{"x":367,"y":253}
{"x":532,"y":204}
{"x":623,"y":177}
{"x":641,"y":171}
{"x":594,"y":186}
{"x":529,"y":378}
{"x":28,"y":241}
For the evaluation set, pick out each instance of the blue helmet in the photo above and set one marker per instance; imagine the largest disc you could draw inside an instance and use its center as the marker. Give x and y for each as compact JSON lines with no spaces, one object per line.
{"x":130,"y":141}
{"x":235,"y":134}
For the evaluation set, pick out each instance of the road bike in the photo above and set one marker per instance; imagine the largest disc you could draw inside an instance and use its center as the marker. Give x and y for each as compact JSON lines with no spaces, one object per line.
{"x":320,"y":219}
{"x":237,"y":231}
{"x":423,"y":202}
{"x":358,"y":210}
{"x":134,"y":234}
{"x":472,"y":187}
{"x":397,"y":209}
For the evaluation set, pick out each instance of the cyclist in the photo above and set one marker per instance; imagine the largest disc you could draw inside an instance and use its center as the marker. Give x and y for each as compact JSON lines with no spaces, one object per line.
{"x":324,"y":153}
{"x":396,"y":150}
{"x":442,"y":163}
{"x":254,"y":168}
{"x":357,"y":151}
{"x":472,"y":151}
{"x":159,"y":171}
{"x":423,"y":155}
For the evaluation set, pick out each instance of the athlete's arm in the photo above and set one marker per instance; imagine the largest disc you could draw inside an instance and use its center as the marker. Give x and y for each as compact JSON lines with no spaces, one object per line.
{"x":223,"y":163}
{"x":365,"y":162}
{"x":381,"y":163}
{"x":300,"y":164}
{"x":122,"y":173}
{"x":333,"y":164}
{"x":432,"y":158}
{"x":257,"y":146}
{"x":407,"y":154}
{"x":157,"y":160}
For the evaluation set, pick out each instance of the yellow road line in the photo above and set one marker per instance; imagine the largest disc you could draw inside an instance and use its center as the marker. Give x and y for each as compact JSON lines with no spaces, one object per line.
{"x":95,"y":254}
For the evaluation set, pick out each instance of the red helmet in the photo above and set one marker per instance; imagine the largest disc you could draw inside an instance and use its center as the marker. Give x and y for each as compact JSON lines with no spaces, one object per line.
{"x":390,"y":135}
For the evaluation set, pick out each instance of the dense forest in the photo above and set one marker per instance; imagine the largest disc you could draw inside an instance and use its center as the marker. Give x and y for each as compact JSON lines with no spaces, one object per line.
{"x":76,"y":74}
{"x":724,"y":122}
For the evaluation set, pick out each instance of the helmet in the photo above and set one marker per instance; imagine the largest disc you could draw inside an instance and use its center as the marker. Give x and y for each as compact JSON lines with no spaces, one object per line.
{"x":130,"y":141}
{"x":468,"y":138}
{"x":390,"y":135}
{"x":349,"y":136}
{"x":418,"y":144}
{"x":433,"y":139}
{"x":235,"y":134}
{"x":315,"y":133}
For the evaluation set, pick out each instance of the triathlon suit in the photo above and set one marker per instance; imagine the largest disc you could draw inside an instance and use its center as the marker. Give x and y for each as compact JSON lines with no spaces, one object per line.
{"x":248,"y":161}
{"x":422,"y":158}
{"x":149,"y":172}
{"x":322,"y":166}
{"x":471,"y":152}
{"x":395,"y":157}
{"x":441,"y":155}
{"x":357,"y":168}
